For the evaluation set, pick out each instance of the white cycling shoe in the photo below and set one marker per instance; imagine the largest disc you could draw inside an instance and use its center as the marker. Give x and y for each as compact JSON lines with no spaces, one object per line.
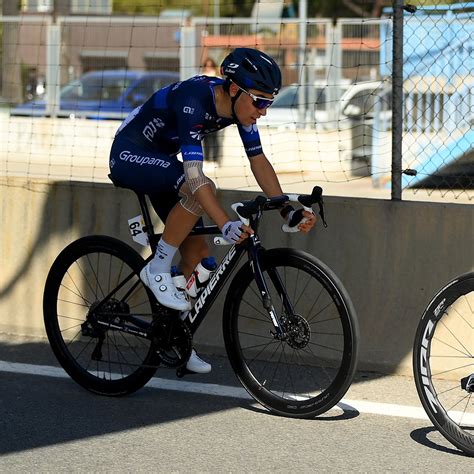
{"x":162,"y":286}
{"x":197,"y":365}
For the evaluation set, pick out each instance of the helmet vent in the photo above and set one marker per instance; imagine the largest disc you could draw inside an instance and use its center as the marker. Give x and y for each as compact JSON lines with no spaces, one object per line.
{"x":249,"y":66}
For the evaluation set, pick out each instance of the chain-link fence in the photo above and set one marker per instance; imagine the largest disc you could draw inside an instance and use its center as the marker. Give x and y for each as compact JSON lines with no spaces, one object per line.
{"x":332,"y":121}
{"x":438,"y":94}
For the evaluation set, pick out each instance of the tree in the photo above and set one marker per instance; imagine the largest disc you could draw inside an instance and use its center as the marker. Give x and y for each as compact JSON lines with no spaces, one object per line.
{"x":198,"y":7}
{"x":243,"y":8}
{"x":154,"y":7}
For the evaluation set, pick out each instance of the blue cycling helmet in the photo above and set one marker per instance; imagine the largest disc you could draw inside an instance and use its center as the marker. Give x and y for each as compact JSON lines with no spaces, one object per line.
{"x":252,"y":69}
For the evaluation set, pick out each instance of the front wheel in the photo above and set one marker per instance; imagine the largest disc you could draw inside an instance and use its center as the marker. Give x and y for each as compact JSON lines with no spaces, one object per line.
{"x":308,"y":371}
{"x":443,"y":362}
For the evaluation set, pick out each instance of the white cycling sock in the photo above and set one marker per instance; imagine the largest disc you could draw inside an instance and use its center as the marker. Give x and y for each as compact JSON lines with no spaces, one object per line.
{"x":161,"y":262}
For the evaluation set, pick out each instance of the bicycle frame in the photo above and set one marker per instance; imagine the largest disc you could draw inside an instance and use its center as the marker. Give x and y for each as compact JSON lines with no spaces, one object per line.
{"x":196,"y":315}
{"x":208,"y":295}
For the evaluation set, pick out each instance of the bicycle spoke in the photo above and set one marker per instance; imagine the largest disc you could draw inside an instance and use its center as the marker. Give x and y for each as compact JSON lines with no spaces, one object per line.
{"x":456,"y":338}
{"x":450,"y":370}
{"x":322,"y":346}
{"x":78,"y":294}
{"x":319,"y":312}
{"x":317,"y":383}
{"x":255,"y":319}
{"x":468,"y":354}
{"x":471,"y":326}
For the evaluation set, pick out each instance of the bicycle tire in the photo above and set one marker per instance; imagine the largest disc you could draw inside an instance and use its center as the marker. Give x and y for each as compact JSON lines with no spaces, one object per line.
{"x":329,"y":324}
{"x":82,"y":274}
{"x":443,"y":354}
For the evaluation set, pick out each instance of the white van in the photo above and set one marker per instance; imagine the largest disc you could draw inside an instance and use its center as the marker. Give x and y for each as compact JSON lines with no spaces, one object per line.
{"x":355,"y":100}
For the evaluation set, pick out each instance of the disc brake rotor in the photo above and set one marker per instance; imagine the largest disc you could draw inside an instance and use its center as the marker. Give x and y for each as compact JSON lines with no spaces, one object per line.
{"x":297,"y":331}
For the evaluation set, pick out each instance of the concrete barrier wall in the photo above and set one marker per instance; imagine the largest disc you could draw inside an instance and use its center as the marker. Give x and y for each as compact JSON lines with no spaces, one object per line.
{"x":391,"y":256}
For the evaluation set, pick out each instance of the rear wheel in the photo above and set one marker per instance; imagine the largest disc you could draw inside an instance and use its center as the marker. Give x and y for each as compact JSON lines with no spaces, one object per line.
{"x":85,"y":310}
{"x":443,"y":362}
{"x":308,"y":372}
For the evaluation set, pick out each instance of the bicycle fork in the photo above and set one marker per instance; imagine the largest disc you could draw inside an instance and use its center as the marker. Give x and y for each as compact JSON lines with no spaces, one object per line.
{"x":262,"y":286}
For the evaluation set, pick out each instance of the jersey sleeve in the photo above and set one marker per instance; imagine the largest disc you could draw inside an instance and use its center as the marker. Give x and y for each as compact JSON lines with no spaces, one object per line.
{"x":190,"y":114}
{"x":251,"y":140}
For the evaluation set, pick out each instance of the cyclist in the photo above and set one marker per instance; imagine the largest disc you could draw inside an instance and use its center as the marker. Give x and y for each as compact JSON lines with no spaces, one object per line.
{"x":175,"y":119}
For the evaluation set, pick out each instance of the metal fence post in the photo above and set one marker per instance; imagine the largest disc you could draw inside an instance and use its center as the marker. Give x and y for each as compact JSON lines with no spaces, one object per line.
{"x":303,"y":17}
{"x":397,"y":100}
{"x":334,"y":73}
{"x":53,"y":64}
{"x":188,"y":66}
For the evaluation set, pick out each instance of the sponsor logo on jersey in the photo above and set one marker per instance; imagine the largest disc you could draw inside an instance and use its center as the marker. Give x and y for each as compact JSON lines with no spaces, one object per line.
{"x":178,"y":182}
{"x":126,"y":155}
{"x":188,"y":110}
{"x":197,"y":134}
{"x":250,"y":149}
{"x":153,"y":125}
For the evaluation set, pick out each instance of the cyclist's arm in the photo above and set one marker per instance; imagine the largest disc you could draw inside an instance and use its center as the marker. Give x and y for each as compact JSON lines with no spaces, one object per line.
{"x":265,"y":175}
{"x":267,"y":179}
{"x":260,"y":166}
{"x":204,"y":194}
{"x":208,"y":201}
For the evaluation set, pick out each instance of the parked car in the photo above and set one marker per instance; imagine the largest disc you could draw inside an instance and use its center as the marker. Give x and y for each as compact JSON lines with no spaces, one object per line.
{"x":107,"y":94}
{"x":355,"y":100}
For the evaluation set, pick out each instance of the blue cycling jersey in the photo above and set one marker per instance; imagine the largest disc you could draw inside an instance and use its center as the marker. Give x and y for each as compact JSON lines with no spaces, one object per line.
{"x":177,"y":117}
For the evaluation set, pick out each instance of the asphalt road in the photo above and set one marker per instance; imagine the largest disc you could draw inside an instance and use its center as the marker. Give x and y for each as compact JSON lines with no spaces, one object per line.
{"x":204,"y":423}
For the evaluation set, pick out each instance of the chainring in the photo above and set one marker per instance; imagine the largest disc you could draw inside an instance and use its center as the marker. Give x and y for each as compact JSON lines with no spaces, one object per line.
{"x":172,"y":340}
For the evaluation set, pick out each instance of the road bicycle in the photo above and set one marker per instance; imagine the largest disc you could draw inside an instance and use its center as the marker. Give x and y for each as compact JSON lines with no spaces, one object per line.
{"x":289,"y":326}
{"x":443,"y":361}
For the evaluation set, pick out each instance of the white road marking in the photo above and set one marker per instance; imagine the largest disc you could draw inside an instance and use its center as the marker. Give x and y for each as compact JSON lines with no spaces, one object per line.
{"x":361,"y":406}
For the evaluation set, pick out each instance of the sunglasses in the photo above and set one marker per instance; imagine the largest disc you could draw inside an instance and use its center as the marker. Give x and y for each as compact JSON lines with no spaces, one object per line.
{"x":257,"y":101}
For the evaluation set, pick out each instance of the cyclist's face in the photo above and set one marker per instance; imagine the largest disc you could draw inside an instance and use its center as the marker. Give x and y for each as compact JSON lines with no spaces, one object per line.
{"x":245,"y":109}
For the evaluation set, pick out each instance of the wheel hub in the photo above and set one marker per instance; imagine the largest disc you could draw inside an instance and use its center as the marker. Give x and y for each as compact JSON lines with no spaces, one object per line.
{"x":467,"y":383}
{"x":297,"y":330}
{"x":110,"y":311}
